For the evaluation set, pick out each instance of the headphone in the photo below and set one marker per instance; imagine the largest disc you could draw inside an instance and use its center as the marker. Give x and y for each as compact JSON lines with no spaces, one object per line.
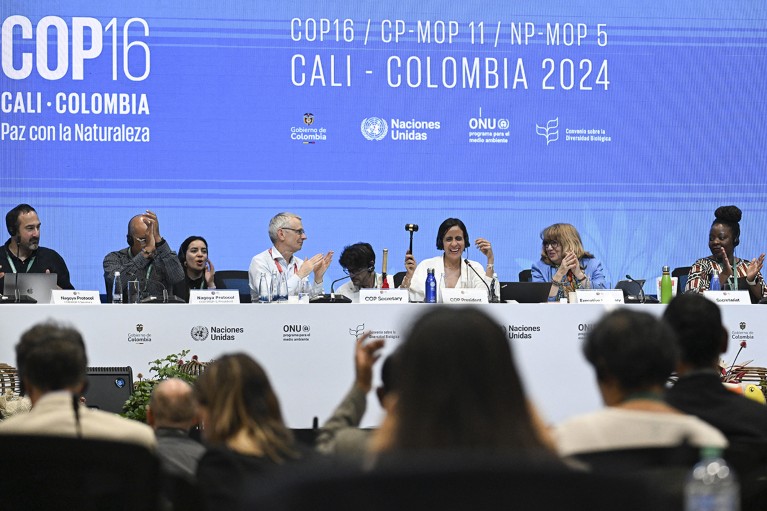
{"x":130,"y":240}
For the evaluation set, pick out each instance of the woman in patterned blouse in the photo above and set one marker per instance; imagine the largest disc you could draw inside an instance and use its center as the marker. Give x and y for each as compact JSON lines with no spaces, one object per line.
{"x":722,"y":240}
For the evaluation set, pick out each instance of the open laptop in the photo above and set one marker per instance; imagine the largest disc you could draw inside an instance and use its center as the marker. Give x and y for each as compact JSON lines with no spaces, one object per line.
{"x":34,"y":285}
{"x":525,"y":292}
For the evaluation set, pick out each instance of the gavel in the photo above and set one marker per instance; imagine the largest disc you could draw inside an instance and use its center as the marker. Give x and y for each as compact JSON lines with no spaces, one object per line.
{"x":411,"y":228}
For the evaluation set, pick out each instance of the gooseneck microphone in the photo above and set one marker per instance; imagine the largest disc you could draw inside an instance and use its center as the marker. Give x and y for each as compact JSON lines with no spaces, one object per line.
{"x":642,"y":297}
{"x":333,"y":284}
{"x":490,"y":295}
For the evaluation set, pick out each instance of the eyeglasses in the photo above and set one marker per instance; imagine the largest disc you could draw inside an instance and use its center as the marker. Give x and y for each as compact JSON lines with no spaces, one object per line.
{"x":552,"y":243}
{"x":300,"y":232}
{"x":356,"y":271}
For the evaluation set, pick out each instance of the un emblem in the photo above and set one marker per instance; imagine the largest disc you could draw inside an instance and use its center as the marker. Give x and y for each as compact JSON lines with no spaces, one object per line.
{"x":374,"y":128}
{"x":199,"y":333}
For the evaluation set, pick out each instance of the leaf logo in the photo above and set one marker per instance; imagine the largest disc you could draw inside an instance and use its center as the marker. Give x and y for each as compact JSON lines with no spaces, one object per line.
{"x":550,"y":131}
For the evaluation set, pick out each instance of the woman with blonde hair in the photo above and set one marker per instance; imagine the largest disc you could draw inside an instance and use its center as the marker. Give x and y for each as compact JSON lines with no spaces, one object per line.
{"x":566,"y":264}
{"x":242,"y":426}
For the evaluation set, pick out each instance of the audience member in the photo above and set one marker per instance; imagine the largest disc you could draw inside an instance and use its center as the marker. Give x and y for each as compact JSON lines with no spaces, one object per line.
{"x":22,"y":252}
{"x":172,"y":412}
{"x":699,"y":390}
{"x":340,"y":434}
{"x":633,"y":354}
{"x":148,"y":259}
{"x":52,"y":366}
{"x":199,"y":272}
{"x":287,"y":234}
{"x":359,"y":263}
{"x":457,"y":388}
{"x":243,"y":428}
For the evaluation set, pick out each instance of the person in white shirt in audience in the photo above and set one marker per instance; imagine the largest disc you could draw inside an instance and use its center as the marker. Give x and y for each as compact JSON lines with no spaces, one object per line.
{"x":359,"y":263}
{"x":288,"y":235}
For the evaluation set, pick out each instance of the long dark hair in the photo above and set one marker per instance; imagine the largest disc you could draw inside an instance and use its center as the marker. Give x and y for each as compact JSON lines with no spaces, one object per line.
{"x":457,"y":386}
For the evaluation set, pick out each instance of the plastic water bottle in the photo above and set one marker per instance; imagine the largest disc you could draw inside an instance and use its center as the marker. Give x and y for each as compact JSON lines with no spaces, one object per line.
{"x":711,"y":485}
{"x":665,"y":286}
{"x":117,"y":289}
{"x":265,"y":288}
{"x":431,"y":287}
{"x":715,"y":285}
{"x":282,"y":290}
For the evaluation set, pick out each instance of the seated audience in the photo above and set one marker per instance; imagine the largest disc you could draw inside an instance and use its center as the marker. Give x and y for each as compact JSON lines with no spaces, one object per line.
{"x":22,"y":252}
{"x":723,"y":237}
{"x":699,"y":391}
{"x":52,"y":366}
{"x":199,"y":272}
{"x":340,"y":434}
{"x":148,"y":259}
{"x":172,"y":412}
{"x":359,"y":262}
{"x":457,"y":388}
{"x":566,"y":264}
{"x":633,"y":355}
{"x":451,"y":269}
{"x":243,"y":429}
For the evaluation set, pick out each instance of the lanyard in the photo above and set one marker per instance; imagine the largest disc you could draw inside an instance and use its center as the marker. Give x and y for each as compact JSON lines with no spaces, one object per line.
{"x":13,"y":266}
{"x":279,"y":266}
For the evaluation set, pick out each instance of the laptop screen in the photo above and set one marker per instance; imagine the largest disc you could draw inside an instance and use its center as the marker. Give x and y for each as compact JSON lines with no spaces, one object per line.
{"x":36,"y":285}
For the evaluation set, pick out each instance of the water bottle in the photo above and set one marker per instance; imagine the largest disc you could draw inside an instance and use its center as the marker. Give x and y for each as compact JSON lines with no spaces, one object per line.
{"x":275,"y":287}
{"x":117,"y":289}
{"x":282,"y":289}
{"x":711,"y":485}
{"x":304,"y":290}
{"x":430,"y":295}
{"x":493,"y":285}
{"x":665,"y":286}
{"x":715,"y":285}
{"x":265,"y":288}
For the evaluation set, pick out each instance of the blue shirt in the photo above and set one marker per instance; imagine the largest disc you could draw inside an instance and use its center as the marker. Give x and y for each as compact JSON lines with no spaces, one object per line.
{"x":592,"y":268}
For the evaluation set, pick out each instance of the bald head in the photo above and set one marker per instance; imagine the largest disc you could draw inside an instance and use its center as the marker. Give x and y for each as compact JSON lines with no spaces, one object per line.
{"x":172,"y":405}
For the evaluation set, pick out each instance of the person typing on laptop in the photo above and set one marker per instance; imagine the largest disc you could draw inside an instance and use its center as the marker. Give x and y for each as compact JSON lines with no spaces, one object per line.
{"x":22,"y":252}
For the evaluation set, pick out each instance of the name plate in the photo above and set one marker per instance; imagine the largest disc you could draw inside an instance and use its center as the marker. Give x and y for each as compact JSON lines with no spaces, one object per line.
{"x":73,"y":297}
{"x":464,"y":295}
{"x":729,"y":297}
{"x":214,"y":296}
{"x":384,"y":296}
{"x":603,"y":296}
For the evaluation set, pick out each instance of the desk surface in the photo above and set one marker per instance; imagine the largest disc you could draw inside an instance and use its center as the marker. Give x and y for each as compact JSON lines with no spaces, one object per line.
{"x":307,"y":350}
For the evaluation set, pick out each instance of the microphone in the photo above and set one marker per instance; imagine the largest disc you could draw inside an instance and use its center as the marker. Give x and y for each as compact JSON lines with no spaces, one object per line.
{"x":17,"y":294}
{"x":642,"y":297}
{"x":411,"y":228}
{"x":332,"y":298}
{"x":333,"y":284}
{"x":490,"y":295}
{"x":166,"y":297}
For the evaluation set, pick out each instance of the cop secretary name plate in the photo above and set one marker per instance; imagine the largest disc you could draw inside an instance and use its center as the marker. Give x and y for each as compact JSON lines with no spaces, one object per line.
{"x":386,"y":296}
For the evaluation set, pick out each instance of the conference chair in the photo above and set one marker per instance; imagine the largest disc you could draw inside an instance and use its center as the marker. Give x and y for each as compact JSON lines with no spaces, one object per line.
{"x":681,"y":274}
{"x":63,"y":473}
{"x":526,"y":275}
{"x":452,"y":481}
{"x":398,"y":278}
{"x":234,"y":279}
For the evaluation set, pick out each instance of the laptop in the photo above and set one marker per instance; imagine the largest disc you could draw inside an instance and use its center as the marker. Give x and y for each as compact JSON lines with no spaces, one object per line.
{"x":35,"y":285}
{"x":525,"y":292}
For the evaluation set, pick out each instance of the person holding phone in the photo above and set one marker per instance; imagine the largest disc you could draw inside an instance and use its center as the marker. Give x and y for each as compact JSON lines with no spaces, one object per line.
{"x":198,"y":270}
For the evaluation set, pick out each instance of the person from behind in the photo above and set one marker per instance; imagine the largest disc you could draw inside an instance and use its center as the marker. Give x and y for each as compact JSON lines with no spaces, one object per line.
{"x":457,"y":388}
{"x":723,"y":237}
{"x":340,"y":435}
{"x":52,"y":367}
{"x":359,"y":263}
{"x":632,"y":354}
{"x":172,"y":411}
{"x":701,"y":337}
{"x":286,"y":231}
{"x":246,"y":436}
{"x":451,"y":269}
{"x":199,"y":272}
{"x":148,"y":259}
{"x":566,"y":264}
{"x":22,"y":252}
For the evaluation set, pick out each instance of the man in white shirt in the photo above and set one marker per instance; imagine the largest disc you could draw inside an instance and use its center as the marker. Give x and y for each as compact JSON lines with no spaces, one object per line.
{"x":287,"y":234}
{"x":359,"y":263}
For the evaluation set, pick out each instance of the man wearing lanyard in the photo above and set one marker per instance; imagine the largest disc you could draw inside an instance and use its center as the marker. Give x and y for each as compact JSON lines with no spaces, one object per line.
{"x":148,"y":259}
{"x":22,"y":252}
{"x":287,"y":234}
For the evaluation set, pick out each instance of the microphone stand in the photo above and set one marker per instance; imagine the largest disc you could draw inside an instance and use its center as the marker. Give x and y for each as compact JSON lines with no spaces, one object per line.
{"x":642,"y":297}
{"x":491,"y":298}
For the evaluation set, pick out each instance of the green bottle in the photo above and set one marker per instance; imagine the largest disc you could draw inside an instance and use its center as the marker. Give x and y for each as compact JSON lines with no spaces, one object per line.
{"x":665,"y":286}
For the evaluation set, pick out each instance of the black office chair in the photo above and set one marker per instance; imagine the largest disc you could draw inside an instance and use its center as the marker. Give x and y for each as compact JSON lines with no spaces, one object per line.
{"x":398,"y":278}
{"x":526,"y":275}
{"x":234,"y":279}
{"x":681,"y":274}
{"x":62,"y":473}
